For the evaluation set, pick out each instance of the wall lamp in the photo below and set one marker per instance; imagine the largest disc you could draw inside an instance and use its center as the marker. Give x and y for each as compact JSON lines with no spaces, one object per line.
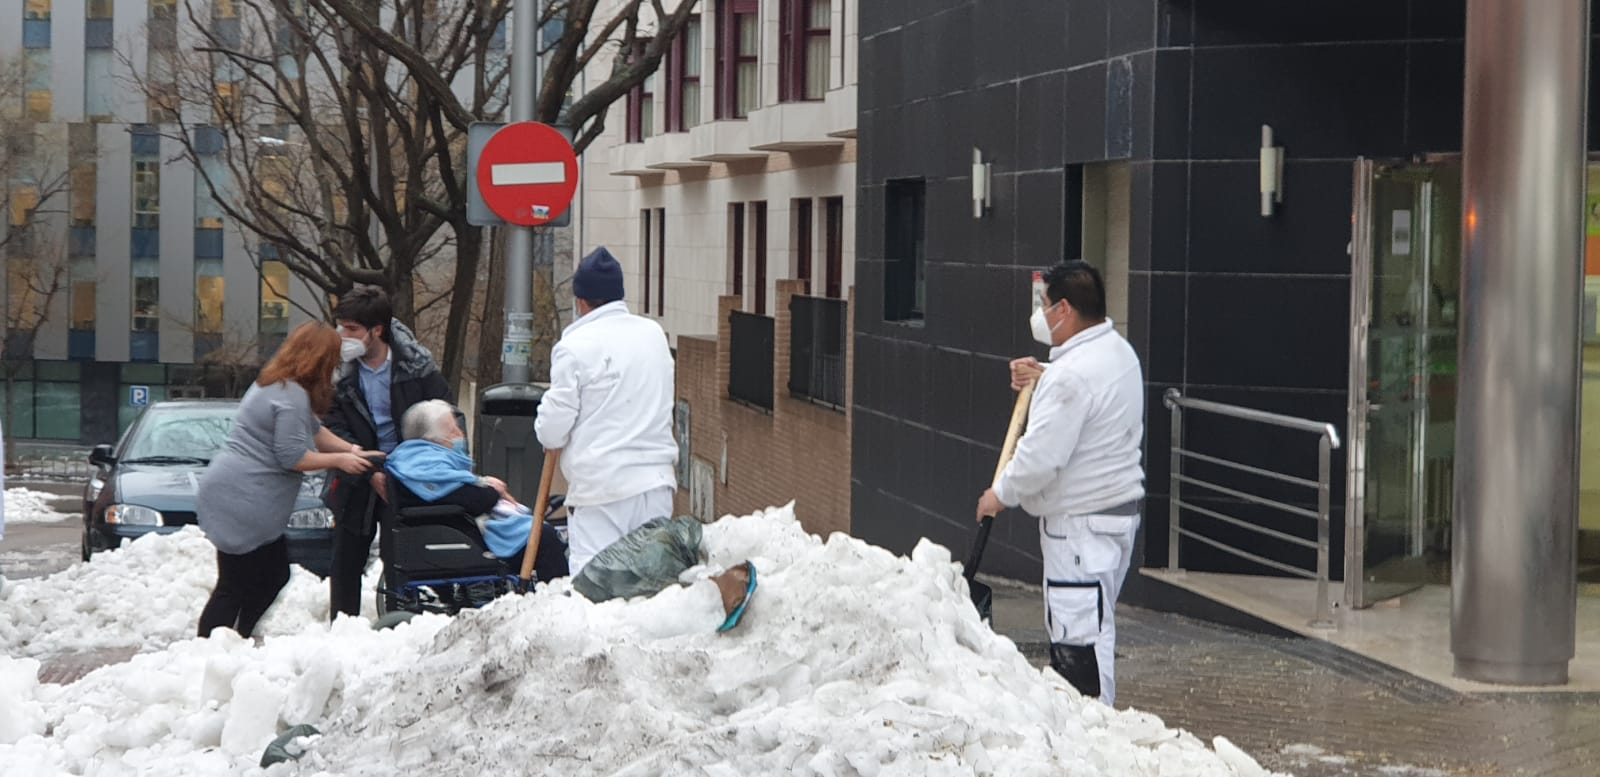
{"x":980,"y":183}
{"x":1271,"y":172}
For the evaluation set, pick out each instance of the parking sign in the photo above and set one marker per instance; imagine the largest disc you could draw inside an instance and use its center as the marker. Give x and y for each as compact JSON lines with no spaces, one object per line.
{"x":138,"y":396}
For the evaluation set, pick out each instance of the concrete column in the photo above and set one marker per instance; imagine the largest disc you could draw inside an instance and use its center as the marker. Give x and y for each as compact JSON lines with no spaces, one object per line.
{"x":1513,"y":592}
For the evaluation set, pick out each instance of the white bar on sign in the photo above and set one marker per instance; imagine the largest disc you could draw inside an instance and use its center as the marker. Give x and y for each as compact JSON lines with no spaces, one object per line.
{"x":527,"y":173}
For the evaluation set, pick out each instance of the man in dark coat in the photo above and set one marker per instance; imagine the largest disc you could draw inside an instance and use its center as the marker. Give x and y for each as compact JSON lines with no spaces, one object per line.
{"x":386,"y":371}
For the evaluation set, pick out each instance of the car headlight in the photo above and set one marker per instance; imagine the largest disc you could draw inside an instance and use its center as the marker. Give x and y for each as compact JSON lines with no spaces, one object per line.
{"x":95,"y":485}
{"x":133,"y":515}
{"x":311,"y":518}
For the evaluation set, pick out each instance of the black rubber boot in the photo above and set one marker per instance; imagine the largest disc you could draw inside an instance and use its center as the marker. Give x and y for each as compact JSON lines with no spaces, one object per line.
{"x":1077,"y":664}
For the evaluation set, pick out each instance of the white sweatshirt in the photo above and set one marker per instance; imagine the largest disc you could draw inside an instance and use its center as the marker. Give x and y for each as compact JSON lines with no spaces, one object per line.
{"x":1081,"y":452}
{"x":609,"y":407}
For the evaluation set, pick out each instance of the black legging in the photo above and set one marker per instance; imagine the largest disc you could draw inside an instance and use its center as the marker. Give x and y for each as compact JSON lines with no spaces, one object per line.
{"x":247,"y":584}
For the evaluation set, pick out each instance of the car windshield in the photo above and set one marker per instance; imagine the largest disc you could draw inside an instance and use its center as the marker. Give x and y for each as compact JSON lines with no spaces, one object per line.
{"x":178,"y":435}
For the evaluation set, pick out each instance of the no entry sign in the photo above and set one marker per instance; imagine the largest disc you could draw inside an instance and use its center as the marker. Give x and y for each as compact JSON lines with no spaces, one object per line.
{"x":527,"y":173}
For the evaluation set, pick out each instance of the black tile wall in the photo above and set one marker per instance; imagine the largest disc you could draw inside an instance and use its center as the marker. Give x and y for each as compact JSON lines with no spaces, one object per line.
{"x":1308,"y":234}
{"x":1236,"y":22}
{"x":1321,"y":101}
{"x":1132,"y":26}
{"x":1222,"y":302}
{"x":1278,"y":331}
{"x":1086,"y":114}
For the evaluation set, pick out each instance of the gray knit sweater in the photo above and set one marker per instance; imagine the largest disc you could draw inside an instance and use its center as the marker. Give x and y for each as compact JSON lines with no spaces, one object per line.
{"x":249,"y":489}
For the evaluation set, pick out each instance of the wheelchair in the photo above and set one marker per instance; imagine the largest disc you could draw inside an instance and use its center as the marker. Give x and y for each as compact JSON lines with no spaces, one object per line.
{"x":436,"y":560}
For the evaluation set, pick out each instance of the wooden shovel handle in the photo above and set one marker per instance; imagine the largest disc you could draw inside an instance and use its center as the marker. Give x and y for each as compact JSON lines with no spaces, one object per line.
{"x":1019,"y":416}
{"x":540,"y":505}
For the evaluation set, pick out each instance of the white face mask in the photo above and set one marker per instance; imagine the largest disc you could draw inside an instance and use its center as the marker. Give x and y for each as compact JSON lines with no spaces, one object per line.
{"x":1043,"y":333}
{"x":351,"y":348}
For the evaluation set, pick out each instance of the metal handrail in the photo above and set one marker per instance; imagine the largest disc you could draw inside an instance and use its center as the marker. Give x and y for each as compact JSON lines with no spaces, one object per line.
{"x":1327,"y":441}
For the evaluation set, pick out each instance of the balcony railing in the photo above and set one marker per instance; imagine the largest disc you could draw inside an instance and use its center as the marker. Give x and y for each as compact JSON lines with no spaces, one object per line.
{"x":750,"y":358}
{"x":816,"y":350}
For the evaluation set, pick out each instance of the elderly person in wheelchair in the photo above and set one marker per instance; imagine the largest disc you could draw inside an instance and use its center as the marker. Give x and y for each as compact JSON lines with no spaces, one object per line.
{"x":432,"y":468}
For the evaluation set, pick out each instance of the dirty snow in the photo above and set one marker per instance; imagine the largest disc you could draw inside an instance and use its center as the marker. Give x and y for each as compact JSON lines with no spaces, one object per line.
{"x":24,"y":505}
{"x":850,"y":661}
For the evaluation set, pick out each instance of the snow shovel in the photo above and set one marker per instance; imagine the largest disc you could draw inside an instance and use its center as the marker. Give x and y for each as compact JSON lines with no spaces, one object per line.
{"x":982,"y":594}
{"x":531,"y":551}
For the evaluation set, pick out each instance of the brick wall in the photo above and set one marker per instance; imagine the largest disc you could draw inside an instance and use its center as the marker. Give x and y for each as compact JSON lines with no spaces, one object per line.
{"x":800,"y":451}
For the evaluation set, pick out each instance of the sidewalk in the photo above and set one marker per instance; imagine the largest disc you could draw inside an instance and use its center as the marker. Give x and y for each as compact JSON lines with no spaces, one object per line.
{"x":1313,"y":709}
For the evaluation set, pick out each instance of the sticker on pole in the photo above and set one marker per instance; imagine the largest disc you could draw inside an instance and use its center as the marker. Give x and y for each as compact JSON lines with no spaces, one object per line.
{"x":528,"y":173}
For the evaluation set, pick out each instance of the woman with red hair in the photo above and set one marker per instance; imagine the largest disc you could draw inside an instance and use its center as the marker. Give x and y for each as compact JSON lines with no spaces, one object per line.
{"x":249,"y":489}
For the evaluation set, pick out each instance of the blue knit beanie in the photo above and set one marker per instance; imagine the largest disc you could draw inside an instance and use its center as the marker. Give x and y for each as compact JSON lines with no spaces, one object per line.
{"x":599,"y":277}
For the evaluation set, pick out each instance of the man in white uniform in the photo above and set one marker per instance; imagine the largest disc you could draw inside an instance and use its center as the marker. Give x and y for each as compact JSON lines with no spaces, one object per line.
{"x":1078,"y":469}
{"x":609,"y":412}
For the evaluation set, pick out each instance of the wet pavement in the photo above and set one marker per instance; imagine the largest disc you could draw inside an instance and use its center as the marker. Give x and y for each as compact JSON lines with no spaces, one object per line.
{"x":1309,"y":708}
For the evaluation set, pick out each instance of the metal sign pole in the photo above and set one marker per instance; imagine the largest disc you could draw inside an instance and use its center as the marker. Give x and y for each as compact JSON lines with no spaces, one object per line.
{"x":519,"y":240}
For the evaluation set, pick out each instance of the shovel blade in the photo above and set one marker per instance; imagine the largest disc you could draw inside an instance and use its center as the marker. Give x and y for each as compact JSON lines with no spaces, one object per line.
{"x":983,"y":599}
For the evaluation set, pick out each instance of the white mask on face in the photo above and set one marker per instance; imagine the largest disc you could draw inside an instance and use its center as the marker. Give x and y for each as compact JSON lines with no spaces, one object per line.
{"x":1042,"y":330}
{"x":351,"y":348}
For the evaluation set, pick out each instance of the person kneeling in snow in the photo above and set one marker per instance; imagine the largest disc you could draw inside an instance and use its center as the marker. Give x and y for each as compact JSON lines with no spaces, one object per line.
{"x":432,"y":467}
{"x":654,"y":556}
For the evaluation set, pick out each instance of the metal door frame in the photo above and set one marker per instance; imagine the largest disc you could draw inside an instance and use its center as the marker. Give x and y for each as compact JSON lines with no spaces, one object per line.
{"x":1358,"y":407}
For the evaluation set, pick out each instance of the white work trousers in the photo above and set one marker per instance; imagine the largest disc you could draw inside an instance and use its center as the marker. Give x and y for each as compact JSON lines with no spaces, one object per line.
{"x":1085,"y":560}
{"x":592,"y":528}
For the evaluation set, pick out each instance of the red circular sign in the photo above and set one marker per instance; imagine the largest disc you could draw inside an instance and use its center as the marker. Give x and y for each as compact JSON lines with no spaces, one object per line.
{"x":528,"y":173}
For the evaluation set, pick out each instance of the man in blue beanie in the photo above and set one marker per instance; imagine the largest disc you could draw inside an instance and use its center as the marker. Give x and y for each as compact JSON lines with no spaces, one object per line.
{"x":609,"y":411}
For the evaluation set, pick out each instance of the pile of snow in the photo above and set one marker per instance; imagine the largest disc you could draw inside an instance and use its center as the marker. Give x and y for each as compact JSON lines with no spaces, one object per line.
{"x":24,"y":505}
{"x":850,"y":661}
{"x":145,"y":595}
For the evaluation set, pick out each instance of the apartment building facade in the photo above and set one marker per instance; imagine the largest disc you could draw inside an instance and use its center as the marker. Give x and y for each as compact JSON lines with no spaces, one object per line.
{"x":122,"y":271}
{"x":726,"y":185}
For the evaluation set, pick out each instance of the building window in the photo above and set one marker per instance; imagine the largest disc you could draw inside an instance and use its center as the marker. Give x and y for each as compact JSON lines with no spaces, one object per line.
{"x":24,"y":199}
{"x":736,"y":250}
{"x":82,"y":148}
{"x":81,"y":293}
{"x":806,"y":44}
{"x":207,"y":210}
{"x":802,"y":241}
{"x":738,"y":58}
{"x":904,"y":283}
{"x":37,"y":100}
{"x":683,"y":79}
{"x":661,"y":261}
{"x":224,"y":9}
{"x":163,"y":9}
{"x":98,"y":9}
{"x":758,"y":257}
{"x":274,"y":298}
{"x":100,"y":88}
{"x":642,"y":101}
{"x":644,"y":254}
{"x":833,"y":247}
{"x":146,"y":294}
{"x":146,"y":194}
{"x":208,"y":295}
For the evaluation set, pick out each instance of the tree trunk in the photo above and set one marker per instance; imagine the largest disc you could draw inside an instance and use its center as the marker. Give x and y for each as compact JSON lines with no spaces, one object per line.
{"x":546,"y":324}
{"x":469,"y":241}
{"x":491,"y":335}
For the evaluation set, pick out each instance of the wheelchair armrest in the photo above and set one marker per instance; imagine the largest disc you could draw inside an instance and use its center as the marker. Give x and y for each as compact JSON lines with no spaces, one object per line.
{"x":430,"y":511}
{"x":555,"y":502}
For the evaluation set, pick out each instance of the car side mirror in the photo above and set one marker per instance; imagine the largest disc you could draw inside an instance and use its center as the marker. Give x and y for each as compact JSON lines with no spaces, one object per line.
{"x":101,"y":456}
